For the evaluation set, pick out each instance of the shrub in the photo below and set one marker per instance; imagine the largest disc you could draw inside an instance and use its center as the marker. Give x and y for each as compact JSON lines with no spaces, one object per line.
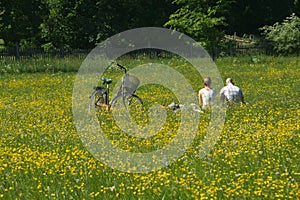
{"x":285,"y":36}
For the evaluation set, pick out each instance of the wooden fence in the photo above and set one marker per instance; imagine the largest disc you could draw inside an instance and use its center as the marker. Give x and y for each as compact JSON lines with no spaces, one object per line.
{"x":14,"y":53}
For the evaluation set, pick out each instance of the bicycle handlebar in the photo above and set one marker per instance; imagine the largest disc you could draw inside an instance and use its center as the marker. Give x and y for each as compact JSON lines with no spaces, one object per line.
{"x":122,"y":67}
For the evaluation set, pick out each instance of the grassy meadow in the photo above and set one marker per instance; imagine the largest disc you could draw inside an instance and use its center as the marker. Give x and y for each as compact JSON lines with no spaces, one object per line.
{"x":256,"y":157}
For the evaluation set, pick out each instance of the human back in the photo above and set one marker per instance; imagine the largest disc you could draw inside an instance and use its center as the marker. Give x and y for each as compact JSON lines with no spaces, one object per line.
{"x":231,"y":93}
{"x":206,"y":94}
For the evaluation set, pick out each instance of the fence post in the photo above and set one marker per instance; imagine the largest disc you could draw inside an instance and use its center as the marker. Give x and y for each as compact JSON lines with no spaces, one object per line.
{"x":17,"y":51}
{"x":62,"y":51}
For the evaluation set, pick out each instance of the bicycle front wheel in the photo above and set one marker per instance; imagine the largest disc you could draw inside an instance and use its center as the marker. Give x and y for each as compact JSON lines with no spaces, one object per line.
{"x":132,"y":101}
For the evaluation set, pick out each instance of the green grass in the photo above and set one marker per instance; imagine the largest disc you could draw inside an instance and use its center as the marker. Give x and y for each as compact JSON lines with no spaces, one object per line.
{"x":50,"y":65}
{"x":256,"y":157}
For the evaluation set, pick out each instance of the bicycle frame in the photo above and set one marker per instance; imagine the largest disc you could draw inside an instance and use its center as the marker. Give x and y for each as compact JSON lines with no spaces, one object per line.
{"x":123,"y":92}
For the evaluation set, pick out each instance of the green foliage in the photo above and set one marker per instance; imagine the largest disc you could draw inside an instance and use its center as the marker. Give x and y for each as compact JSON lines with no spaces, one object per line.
{"x":83,"y":23}
{"x":248,"y":15}
{"x":76,"y":24}
{"x":285,"y":36}
{"x":20,"y":21}
{"x":202,"y":20}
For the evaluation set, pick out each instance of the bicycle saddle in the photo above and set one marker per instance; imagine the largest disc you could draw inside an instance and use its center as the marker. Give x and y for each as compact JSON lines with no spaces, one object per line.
{"x":107,"y":80}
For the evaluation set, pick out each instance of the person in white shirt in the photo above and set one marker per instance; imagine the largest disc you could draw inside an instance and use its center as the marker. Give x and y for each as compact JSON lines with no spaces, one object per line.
{"x":231,"y":93}
{"x":206,"y":94}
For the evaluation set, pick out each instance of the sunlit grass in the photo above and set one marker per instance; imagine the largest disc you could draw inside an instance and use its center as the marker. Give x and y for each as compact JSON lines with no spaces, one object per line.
{"x":257,"y":156}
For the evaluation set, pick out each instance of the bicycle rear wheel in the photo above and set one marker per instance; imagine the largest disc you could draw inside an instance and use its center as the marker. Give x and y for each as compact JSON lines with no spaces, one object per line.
{"x":97,"y":100}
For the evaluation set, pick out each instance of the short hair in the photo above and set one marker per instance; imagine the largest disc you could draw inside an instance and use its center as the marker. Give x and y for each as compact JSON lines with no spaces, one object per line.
{"x":207,"y":81}
{"x":229,"y":80}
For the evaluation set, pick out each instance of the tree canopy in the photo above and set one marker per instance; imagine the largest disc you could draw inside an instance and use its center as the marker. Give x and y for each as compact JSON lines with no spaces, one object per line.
{"x":20,"y":20}
{"x":203,"y":20}
{"x":247,"y":16}
{"x":83,"y":23}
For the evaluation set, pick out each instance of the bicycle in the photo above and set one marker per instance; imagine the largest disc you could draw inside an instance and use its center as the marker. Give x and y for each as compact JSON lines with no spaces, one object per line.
{"x":129,"y":84}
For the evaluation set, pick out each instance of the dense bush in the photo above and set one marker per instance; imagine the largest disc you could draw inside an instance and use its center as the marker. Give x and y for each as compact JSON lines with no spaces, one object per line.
{"x":285,"y":36}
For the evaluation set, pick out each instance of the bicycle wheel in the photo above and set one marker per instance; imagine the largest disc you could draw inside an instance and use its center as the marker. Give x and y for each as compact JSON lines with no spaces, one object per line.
{"x":97,"y":99}
{"x":129,"y":100}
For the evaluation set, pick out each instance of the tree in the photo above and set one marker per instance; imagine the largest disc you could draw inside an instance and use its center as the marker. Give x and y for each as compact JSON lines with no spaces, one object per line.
{"x":202,"y":20}
{"x":20,"y":21}
{"x":83,"y":23}
{"x":284,"y":36}
{"x":246,"y":16}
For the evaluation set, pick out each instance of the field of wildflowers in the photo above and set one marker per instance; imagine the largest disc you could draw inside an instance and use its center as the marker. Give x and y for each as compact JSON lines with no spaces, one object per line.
{"x":256,"y":157}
